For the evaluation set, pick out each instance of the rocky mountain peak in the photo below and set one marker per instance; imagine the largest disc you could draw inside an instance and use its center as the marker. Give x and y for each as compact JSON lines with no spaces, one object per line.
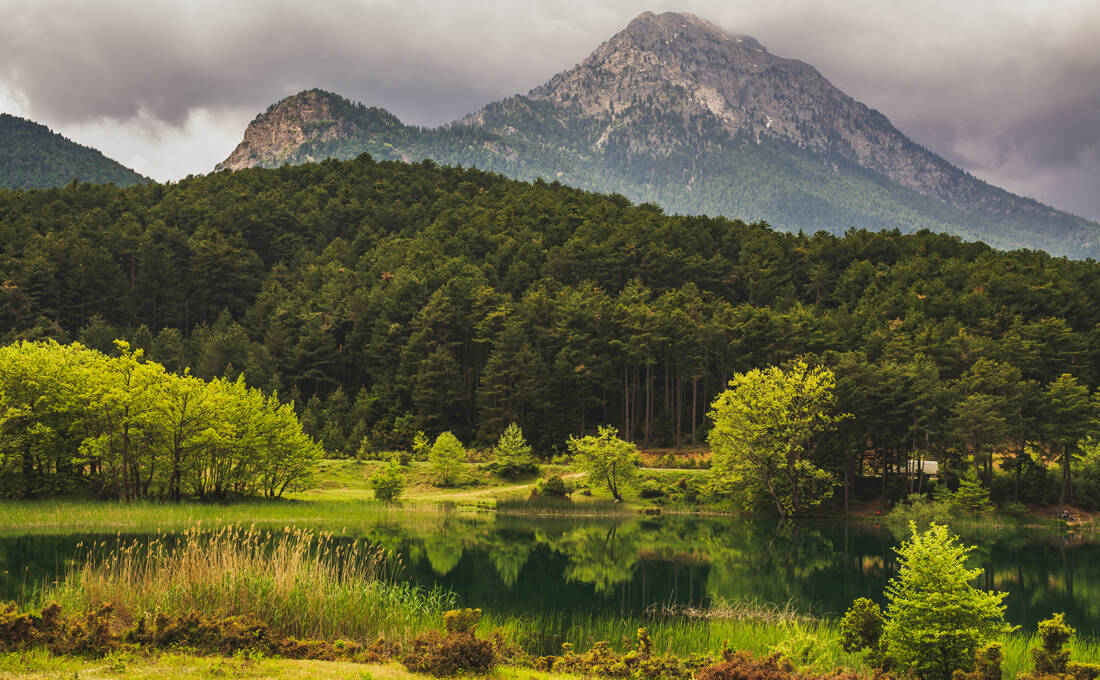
{"x":677,"y":67}
{"x":309,"y":117}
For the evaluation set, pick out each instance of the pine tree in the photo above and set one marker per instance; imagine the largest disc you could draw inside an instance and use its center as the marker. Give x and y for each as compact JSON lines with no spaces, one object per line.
{"x":447,"y":458}
{"x":512,"y":454}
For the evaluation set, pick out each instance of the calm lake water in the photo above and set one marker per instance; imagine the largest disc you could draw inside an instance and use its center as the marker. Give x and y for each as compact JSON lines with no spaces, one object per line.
{"x":519,"y":565}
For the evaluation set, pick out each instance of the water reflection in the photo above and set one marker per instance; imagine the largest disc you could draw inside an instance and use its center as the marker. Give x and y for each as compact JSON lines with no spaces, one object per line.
{"x":585,"y":566}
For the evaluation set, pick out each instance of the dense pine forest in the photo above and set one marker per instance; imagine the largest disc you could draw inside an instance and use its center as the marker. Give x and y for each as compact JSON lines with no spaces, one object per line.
{"x":33,"y":156}
{"x":383,"y":297}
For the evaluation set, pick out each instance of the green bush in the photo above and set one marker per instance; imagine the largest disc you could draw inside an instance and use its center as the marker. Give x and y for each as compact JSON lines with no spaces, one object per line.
{"x":1052,"y":659}
{"x":803,"y":650}
{"x":552,"y":487}
{"x":651,"y":488}
{"x":388,"y":483}
{"x":987,"y":664}
{"x":861,"y":629}
{"x":421,"y":446}
{"x":639,"y":663}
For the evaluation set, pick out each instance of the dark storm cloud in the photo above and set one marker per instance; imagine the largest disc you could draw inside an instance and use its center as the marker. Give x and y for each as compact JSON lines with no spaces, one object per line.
{"x":1008,"y":90}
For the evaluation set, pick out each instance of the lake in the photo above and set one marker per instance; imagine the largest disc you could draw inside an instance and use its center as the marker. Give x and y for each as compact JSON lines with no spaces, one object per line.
{"x":571,"y":566}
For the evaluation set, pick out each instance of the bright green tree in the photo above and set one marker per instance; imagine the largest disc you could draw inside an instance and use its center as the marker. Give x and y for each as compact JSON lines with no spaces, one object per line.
{"x":608,"y":461}
{"x":765,"y":427}
{"x":447,"y":457}
{"x":935,"y":618}
{"x":421,"y":446}
{"x":512,"y":454}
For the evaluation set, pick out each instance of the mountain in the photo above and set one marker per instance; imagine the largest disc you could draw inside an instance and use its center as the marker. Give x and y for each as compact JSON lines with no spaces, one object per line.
{"x":32,"y":156}
{"x":675,"y":111}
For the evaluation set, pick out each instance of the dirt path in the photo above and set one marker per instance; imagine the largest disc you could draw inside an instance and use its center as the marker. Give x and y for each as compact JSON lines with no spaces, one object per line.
{"x":492,"y":490}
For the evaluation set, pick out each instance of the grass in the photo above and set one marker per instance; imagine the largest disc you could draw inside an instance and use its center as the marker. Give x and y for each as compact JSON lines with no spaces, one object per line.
{"x":105,"y":517}
{"x":302,"y":584}
{"x":349,"y":480}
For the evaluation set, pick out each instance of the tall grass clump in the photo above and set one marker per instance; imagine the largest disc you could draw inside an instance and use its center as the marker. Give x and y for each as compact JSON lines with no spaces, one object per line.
{"x":300,"y":583}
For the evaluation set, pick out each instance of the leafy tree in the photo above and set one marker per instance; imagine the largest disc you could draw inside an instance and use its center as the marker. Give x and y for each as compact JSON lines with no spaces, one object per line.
{"x":765,"y":428}
{"x":76,"y":419}
{"x":608,"y":461}
{"x":447,"y":457}
{"x":935,"y":618}
{"x":389,"y":482}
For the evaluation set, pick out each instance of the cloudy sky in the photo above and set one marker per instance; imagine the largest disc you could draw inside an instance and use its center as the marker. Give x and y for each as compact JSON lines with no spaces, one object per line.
{"x":1008,"y":89}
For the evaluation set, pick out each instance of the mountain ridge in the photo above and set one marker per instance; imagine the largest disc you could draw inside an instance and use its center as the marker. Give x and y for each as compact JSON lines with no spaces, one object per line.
{"x":674,"y":110}
{"x":34,"y":157}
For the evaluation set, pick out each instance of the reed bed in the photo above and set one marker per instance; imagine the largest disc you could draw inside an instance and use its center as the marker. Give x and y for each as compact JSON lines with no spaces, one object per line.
{"x":300,"y":583}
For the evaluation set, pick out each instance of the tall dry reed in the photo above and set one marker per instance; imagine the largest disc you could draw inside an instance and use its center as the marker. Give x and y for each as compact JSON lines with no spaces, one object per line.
{"x":301,"y":583}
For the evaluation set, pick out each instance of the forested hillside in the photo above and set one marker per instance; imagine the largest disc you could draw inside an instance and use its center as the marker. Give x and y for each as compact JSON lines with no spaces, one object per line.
{"x":32,"y":156}
{"x":383,"y":297}
{"x":676,"y":111}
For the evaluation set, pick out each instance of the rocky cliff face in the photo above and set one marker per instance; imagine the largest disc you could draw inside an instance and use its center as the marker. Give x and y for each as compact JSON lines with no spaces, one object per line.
{"x":683,"y":66}
{"x":311,"y":117}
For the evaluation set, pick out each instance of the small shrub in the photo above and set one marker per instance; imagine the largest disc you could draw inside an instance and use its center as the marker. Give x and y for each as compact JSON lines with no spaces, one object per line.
{"x":936,"y":618}
{"x":861,"y":629}
{"x":803,"y":650}
{"x":602,"y":661}
{"x":651,"y":488}
{"x":1052,"y":659}
{"x":743,"y":666}
{"x":987,"y":664}
{"x":388,"y":483}
{"x":552,"y":487}
{"x":458,"y":651}
{"x":1017,"y":510}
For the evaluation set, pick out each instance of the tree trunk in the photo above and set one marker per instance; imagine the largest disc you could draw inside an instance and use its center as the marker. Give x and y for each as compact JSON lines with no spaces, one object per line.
{"x":680,"y":404}
{"x":648,"y":398}
{"x":694,"y":404}
{"x":1065,"y":479}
